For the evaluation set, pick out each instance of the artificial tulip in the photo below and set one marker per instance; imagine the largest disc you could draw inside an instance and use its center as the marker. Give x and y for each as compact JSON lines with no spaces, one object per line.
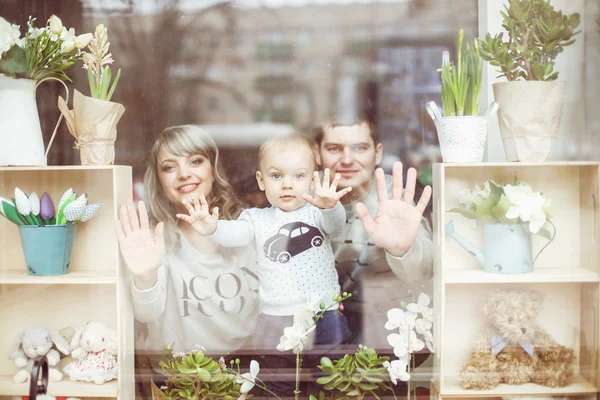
{"x":46,"y":207}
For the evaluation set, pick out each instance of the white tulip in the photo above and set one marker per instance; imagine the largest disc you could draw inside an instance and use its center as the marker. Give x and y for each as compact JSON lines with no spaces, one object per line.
{"x":34,"y":202}
{"x":22,"y":201}
{"x":56,"y":25}
{"x":82,"y":41}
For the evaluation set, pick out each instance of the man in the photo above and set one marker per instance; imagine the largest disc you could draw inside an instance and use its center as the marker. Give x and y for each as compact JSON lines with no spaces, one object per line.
{"x":385,"y":235}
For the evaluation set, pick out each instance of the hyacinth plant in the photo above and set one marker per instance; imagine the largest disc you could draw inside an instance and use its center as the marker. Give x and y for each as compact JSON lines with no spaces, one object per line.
{"x":195,"y":376}
{"x":515,"y":203}
{"x":32,"y":210}
{"x":296,"y":337}
{"x":537,"y":34}
{"x":44,"y":52}
{"x":97,"y":62}
{"x":461,"y":80}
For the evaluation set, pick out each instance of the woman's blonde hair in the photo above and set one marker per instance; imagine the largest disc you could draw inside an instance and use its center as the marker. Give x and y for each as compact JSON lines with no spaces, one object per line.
{"x":186,"y":140}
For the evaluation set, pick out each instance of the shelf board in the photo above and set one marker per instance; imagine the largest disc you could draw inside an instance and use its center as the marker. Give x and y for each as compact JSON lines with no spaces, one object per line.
{"x":452,"y":388}
{"x":20,"y":277}
{"x":539,"y":275}
{"x":65,"y":387}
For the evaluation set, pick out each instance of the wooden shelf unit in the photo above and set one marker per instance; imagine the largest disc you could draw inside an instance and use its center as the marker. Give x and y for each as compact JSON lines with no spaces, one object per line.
{"x":95,"y":289}
{"x":567,"y":273}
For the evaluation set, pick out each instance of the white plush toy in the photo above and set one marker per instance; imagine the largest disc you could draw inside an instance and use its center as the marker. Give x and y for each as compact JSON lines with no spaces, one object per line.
{"x":95,"y":348}
{"x":33,"y":342}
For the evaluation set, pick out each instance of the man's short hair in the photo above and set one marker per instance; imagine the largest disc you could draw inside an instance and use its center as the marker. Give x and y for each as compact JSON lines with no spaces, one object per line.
{"x":318,"y":133}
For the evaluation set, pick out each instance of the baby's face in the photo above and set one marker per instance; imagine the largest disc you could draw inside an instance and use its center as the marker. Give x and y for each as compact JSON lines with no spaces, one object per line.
{"x":285,"y":174}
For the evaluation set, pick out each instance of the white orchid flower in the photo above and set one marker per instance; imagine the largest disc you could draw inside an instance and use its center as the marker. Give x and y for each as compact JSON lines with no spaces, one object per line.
{"x":421,"y":307}
{"x":423,"y":325}
{"x":415,"y":344}
{"x":306,"y":312}
{"x":294,"y":338}
{"x":56,"y":25}
{"x":399,"y":343}
{"x":248,"y":379}
{"x":428,"y":336}
{"x":397,"y":370}
{"x":34,"y":202}
{"x":22,"y":202}
{"x":398,"y":319}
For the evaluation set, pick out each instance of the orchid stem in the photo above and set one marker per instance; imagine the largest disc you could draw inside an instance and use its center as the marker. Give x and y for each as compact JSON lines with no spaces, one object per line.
{"x":297,"y":391}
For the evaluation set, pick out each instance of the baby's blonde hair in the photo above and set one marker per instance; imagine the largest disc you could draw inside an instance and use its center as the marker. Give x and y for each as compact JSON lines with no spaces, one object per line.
{"x":281,"y":142}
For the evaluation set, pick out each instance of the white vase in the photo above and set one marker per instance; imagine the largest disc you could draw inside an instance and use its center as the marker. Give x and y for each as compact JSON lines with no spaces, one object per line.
{"x":462,"y":139}
{"x":21,"y":140}
{"x":529,"y":118}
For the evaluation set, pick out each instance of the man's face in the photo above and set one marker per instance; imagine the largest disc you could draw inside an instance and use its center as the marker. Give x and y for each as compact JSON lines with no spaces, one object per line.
{"x":351,"y":152}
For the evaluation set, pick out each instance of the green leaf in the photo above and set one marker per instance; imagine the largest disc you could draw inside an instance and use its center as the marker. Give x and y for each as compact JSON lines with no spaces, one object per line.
{"x":500,"y":209}
{"x":203,"y":374}
{"x":366,"y":386}
{"x":464,"y":213}
{"x":353,"y":393}
{"x":13,"y":61}
{"x":496,"y":191}
{"x":484,"y":210}
{"x":114,"y":85}
{"x":326,"y":379}
{"x":545,"y":233}
{"x":326,"y":362}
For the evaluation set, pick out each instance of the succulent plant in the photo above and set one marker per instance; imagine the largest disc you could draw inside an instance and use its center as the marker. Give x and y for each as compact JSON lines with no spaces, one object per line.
{"x":193,"y":375}
{"x":537,"y":34}
{"x":355,"y":376}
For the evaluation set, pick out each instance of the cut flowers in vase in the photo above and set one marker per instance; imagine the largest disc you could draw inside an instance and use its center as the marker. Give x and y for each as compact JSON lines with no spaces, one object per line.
{"x":515,"y":203}
{"x":44,"y":52}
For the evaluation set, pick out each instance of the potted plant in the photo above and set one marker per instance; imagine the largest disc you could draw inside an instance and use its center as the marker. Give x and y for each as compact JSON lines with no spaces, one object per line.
{"x":532,"y":99}
{"x":42,"y":54}
{"x":93,"y":120}
{"x":511,"y":213}
{"x":47,"y":234}
{"x":461,"y":131}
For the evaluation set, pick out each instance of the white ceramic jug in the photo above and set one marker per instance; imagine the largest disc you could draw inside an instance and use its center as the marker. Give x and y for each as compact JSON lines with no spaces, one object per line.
{"x":21,"y":140}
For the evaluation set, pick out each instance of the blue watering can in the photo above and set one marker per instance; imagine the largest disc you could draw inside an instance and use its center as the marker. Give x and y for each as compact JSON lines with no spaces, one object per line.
{"x":506,"y":248}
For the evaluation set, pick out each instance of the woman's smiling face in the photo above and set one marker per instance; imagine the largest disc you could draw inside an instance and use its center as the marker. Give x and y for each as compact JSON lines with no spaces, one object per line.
{"x":184,"y":177}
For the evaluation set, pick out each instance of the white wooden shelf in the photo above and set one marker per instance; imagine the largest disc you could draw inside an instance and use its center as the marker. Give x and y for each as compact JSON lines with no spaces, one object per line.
{"x":539,"y":275}
{"x":65,"y":387}
{"x":95,"y":289}
{"x":20,"y":277}
{"x":452,"y":388}
{"x":566,"y":274}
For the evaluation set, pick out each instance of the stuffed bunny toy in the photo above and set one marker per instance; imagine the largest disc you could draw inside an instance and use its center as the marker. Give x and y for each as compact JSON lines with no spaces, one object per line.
{"x":95,"y":348}
{"x":33,"y":342}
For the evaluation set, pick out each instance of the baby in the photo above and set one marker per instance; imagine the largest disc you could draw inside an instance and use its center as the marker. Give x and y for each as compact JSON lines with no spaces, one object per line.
{"x":291,"y":238}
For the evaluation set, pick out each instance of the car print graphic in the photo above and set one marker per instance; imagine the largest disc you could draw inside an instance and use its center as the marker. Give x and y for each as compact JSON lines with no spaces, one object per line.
{"x":290,"y":240}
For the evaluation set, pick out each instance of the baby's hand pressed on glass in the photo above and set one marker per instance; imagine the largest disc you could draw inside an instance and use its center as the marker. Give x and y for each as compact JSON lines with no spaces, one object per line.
{"x":200,"y":218}
{"x":325,"y":195}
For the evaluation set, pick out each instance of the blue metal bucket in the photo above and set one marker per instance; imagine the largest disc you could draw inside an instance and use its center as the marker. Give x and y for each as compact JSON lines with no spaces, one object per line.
{"x":47,"y":249}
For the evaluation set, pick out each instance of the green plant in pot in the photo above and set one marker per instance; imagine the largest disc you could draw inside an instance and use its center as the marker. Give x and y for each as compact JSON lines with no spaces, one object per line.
{"x":532,"y":99}
{"x":461,"y":131}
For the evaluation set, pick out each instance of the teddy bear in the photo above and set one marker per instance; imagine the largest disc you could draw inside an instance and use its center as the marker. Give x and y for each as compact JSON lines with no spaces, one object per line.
{"x":33,"y":342}
{"x":511,"y":348}
{"x":94,"y":346}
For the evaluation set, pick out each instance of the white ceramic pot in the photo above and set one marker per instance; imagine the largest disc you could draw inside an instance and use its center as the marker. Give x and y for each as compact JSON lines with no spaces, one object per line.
{"x":462,"y":139}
